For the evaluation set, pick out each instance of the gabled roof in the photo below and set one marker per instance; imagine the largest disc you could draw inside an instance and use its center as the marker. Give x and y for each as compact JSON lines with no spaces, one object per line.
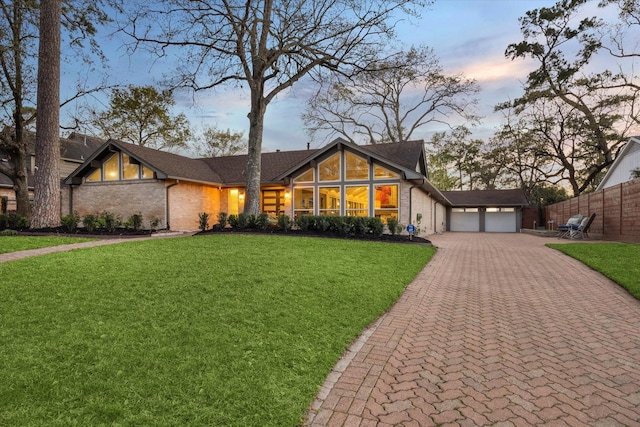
{"x":632,"y":146}
{"x":487,"y":198}
{"x":404,"y":156}
{"x":164,"y":164}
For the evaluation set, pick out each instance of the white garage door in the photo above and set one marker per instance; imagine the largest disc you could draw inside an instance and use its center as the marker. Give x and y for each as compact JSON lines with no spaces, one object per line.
{"x":465,"y":221}
{"x":500,"y":222}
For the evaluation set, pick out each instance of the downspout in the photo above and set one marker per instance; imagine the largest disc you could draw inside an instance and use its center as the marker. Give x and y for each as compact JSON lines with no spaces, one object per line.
{"x":167,"y":200}
{"x":411,"y":198}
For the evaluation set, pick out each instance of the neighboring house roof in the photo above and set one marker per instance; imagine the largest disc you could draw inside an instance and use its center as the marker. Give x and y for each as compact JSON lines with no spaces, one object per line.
{"x":487,"y":198}
{"x":626,"y":161}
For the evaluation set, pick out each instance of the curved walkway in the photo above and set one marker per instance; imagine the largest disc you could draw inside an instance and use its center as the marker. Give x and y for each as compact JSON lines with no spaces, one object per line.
{"x":496,"y":330}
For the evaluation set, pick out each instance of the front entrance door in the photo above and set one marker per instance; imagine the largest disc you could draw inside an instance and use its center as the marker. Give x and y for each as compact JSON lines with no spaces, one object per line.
{"x":273,"y":202}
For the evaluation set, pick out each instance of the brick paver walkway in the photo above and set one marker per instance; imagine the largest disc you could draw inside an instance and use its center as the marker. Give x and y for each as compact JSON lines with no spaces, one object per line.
{"x":496,"y":330}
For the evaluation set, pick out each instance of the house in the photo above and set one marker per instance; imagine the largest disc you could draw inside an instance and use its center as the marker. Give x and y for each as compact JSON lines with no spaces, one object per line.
{"x":74,"y":150}
{"x":342,"y":178}
{"x":625,"y":163}
{"x":485,"y":210}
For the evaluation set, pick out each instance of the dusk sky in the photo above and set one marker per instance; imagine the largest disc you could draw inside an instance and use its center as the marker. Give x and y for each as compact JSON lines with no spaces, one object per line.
{"x":468,"y":36}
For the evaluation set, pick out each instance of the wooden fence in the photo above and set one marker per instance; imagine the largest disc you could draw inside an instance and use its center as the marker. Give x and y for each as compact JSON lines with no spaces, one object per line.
{"x":617,"y":212}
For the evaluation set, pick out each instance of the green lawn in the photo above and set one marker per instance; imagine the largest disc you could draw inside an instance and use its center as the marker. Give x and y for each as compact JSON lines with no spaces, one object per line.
{"x":219,"y":330}
{"x":617,"y":261}
{"x":22,"y":243}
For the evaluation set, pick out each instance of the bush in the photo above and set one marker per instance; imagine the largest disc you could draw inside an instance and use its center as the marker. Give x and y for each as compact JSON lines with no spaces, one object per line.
{"x":8,"y":233}
{"x":203,"y":221}
{"x":392,"y":225}
{"x":90,"y":222}
{"x":16,"y":221}
{"x":110,"y":221}
{"x":136,"y":221}
{"x":304,"y":222}
{"x":154,"y":222}
{"x":263,"y":222}
{"x":222,"y":219}
{"x":70,"y":222}
{"x":233,"y":221}
{"x":4,"y":202}
{"x":375,"y":226}
{"x":243,"y":220}
{"x":4,"y":222}
{"x":284,"y":222}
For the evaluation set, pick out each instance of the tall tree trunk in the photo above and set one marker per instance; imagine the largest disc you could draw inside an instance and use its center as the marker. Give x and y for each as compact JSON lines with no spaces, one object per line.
{"x":47,"y":177}
{"x":254,"y":158}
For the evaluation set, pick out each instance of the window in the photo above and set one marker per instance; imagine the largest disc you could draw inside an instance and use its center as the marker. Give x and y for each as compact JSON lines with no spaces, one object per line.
{"x":329,"y":170}
{"x":329,"y":200}
{"x":386,"y":201}
{"x":357,"y":200}
{"x":96,"y":175}
{"x":357,"y":167}
{"x":464,"y":209}
{"x":381,"y":173}
{"x":305,"y":177}
{"x":302,"y":201}
{"x":147,"y":173}
{"x":130,"y":169}
{"x":112,"y":168}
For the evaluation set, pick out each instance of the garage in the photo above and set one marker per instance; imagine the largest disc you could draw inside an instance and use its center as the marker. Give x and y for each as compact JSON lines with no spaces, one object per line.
{"x":462,"y":220}
{"x":492,"y":211}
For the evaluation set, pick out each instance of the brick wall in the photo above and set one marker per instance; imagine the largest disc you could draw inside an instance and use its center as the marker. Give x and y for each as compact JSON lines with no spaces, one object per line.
{"x":123,"y":198}
{"x":187,"y":200}
{"x":617,"y":211}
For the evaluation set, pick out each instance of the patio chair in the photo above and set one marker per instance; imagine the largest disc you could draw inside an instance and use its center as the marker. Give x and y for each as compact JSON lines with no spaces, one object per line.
{"x":582,"y":230}
{"x":564,"y":230}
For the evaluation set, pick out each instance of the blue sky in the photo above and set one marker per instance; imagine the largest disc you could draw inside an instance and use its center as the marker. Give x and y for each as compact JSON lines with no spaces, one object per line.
{"x":468,"y":36}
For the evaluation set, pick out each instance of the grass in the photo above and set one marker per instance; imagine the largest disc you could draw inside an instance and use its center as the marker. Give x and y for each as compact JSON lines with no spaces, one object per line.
{"x":23,"y":243}
{"x":617,"y":261}
{"x":225,"y":330}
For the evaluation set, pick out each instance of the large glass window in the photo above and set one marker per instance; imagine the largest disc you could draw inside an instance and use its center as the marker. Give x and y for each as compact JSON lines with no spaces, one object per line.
{"x":96,"y":175}
{"x":302,"y":201}
{"x":147,"y":173}
{"x":329,"y":200}
{"x":357,"y":200}
{"x":130,"y":168}
{"x":382,"y":173}
{"x":112,"y":168}
{"x":305,"y":177}
{"x":386,"y":203}
{"x":329,"y":170}
{"x":357,"y":167}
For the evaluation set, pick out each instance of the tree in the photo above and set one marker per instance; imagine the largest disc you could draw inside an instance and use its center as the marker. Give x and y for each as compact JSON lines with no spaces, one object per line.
{"x":267,"y":45}
{"x":19,"y":24}
{"x":141,"y":115}
{"x":583,"y":117}
{"x":47,"y":175}
{"x":216,"y":143}
{"x":390,"y":100}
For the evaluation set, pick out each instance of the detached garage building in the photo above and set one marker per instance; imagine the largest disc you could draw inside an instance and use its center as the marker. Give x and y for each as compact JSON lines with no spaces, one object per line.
{"x":492,"y":211}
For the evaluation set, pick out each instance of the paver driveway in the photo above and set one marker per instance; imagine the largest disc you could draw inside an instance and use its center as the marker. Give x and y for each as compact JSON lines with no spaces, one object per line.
{"x":496,"y":330}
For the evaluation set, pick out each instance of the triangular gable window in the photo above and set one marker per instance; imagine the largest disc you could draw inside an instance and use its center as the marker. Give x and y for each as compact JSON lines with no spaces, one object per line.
{"x":357,"y":167}
{"x":382,"y":173}
{"x":305,"y":177}
{"x":329,"y":170}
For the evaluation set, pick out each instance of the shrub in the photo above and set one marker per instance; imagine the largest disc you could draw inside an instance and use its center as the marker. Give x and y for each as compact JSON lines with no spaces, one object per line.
{"x":392,"y":225}
{"x":321,"y":223}
{"x":375,"y":226}
{"x":136,"y":221}
{"x":8,"y":233}
{"x":203,"y":221}
{"x":4,"y":222}
{"x":90,"y":222}
{"x":110,"y":221}
{"x":358,"y":225}
{"x":16,"y":221}
{"x":284,"y":222}
{"x":303,"y":222}
{"x":250,"y":221}
{"x":339,"y":225}
{"x":154,"y":222}
{"x":233,"y":221}
{"x":70,"y":222}
{"x":4,"y":201}
{"x":222,"y":219}
{"x":262,"y":222}
{"x":243,"y":220}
